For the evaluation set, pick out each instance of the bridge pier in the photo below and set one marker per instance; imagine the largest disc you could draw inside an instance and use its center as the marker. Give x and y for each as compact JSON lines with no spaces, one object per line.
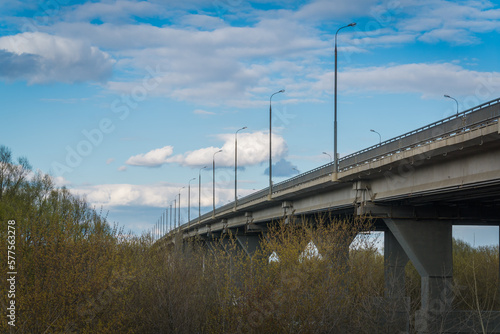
{"x":428,"y":244}
{"x":250,"y":243}
{"x":395,"y":260}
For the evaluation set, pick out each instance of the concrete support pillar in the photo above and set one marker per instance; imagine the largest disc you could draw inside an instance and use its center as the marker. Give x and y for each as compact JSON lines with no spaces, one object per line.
{"x":336,"y":253}
{"x":428,"y":244}
{"x":396,"y":309}
{"x":287,"y":210}
{"x":178,"y":242}
{"x":212,"y":244}
{"x":249,"y":242}
{"x":395,"y":260}
{"x":187,"y":248}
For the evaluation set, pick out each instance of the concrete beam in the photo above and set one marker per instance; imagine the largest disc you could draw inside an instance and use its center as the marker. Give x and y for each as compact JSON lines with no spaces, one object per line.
{"x":249,"y":242}
{"x":428,"y":244}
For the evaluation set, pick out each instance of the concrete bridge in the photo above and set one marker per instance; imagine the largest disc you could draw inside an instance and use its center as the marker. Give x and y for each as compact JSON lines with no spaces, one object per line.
{"x":415,"y":186}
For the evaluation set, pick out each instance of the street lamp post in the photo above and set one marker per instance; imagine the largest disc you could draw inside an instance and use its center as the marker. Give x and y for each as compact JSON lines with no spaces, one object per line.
{"x":213,"y":182}
{"x":170,"y":219}
{"x":446,"y":95}
{"x":379,"y":136}
{"x":270,"y":142}
{"x":180,"y":205}
{"x":236,"y":166}
{"x":189,"y":199}
{"x":199,"y":194}
{"x":336,"y":160}
{"x":175,"y":213}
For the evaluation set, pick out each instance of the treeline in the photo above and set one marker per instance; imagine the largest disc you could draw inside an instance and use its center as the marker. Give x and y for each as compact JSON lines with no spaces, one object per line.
{"x":78,"y":274}
{"x":66,"y":256}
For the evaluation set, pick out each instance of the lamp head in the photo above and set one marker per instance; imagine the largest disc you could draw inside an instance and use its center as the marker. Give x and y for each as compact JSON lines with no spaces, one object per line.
{"x":446,"y":95}
{"x":372,"y":130}
{"x":281,"y":91}
{"x":351,"y":24}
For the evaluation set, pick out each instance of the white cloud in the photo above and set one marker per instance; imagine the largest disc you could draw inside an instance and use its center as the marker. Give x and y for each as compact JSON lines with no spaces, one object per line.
{"x":203,"y":112}
{"x":41,"y":58}
{"x":116,"y":11}
{"x":406,"y":21}
{"x":457,"y":36}
{"x":60,"y":181}
{"x":203,"y":21}
{"x":110,"y":160}
{"x":253,"y":149}
{"x":386,"y":39}
{"x":326,"y":9}
{"x":452,"y":22}
{"x":429,"y":80}
{"x":122,"y":168}
{"x":154,"y":158}
{"x":17,"y":5}
{"x":206,"y":60}
{"x":153,"y":195}
{"x":216,"y":67}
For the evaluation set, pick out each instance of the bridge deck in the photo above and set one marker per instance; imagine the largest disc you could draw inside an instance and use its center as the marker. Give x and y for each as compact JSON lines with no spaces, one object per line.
{"x":469,"y":132}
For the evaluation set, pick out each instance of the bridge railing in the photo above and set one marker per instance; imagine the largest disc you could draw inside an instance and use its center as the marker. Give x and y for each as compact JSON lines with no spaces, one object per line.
{"x":431,"y":132}
{"x":470,"y":118}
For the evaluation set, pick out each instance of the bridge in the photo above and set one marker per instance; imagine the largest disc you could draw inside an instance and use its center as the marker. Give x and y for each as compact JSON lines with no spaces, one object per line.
{"x":415,"y":187}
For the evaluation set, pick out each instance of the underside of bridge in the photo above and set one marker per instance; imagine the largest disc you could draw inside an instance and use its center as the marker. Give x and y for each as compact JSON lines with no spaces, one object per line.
{"x":415,"y":231}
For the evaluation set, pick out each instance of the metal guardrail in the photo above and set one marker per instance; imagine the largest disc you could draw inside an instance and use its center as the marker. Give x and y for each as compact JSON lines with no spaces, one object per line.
{"x":468,"y":119}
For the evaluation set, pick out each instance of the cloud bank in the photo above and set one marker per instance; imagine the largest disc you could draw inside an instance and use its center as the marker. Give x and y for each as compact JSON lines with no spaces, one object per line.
{"x":41,"y":58}
{"x":253,"y":149}
{"x":153,"y":195}
{"x":154,"y":158}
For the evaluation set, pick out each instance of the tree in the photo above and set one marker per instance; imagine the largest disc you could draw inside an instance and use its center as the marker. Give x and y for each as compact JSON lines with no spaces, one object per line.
{"x":11,"y":175}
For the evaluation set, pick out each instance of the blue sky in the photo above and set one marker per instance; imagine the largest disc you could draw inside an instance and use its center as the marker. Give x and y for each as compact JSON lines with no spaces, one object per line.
{"x":124,"y":101}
